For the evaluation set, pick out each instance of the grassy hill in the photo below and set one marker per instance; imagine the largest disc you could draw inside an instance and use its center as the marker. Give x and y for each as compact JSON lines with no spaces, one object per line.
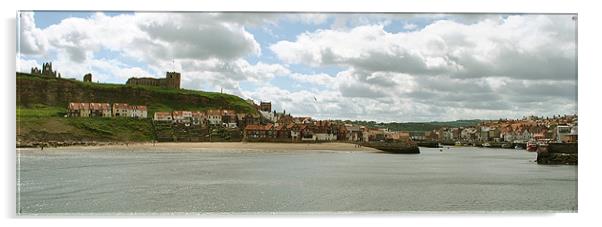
{"x":55,"y":92}
{"x":42,"y":104}
{"x":43,"y":123}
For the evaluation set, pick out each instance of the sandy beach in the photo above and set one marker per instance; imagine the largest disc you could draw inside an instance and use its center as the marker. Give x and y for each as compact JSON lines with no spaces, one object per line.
{"x":217,"y":146}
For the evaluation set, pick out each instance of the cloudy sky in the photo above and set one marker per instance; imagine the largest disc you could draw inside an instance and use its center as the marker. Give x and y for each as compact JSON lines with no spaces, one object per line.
{"x":383,"y":67}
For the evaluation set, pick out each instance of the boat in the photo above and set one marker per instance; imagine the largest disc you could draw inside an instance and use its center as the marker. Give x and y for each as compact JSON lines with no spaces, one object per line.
{"x":430,"y":144}
{"x":531,"y":146}
{"x":486,"y":145}
{"x":458,"y":143}
{"x":394,"y":147}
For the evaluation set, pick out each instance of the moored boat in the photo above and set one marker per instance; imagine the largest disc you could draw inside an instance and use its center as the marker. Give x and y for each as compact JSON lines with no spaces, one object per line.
{"x":394,"y":147}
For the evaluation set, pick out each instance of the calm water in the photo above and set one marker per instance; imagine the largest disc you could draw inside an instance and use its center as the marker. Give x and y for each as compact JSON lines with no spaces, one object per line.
{"x":458,"y":179}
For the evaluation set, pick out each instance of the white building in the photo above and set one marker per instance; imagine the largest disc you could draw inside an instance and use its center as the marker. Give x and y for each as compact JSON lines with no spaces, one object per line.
{"x":269,"y":115}
{"x":214,"y":117}
{"x":295,"y":134}
{"x":137,"y":111}
{"x":163,"y":116}
{"x":182,"y":117}
{"x":354,"y":132}
{"x":121,"y":110}
{"x":325,"y":137}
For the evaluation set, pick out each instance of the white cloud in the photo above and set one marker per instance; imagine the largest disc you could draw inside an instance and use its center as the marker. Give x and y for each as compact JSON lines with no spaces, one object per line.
{"x":215,"y":74}
{"x":447,"y":70}
{"x":31,"y":39}
{"x":357,"y":83}
{"x":25,"y":65}
{"x":111,"y":70}
{"x":321,"y":79}
{"x":195,"y":36}
{"x":79,"y":38}
{"x":518,"y":47}
{"x":366,"y":47}
{"x":153,"y":36}
{"x":260,"y":72}
{"x":331,"y":104}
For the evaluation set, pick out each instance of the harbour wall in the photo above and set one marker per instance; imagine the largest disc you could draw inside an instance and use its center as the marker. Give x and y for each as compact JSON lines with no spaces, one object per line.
{"x":558,"y":153}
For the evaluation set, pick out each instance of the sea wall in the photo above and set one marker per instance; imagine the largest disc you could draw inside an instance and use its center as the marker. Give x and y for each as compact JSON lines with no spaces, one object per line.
{"x":558,"y":153}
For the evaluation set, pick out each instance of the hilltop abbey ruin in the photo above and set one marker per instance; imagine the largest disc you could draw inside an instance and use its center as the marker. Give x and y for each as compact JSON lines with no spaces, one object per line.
{"x":46,"y":71}
{"x":171,"y":80}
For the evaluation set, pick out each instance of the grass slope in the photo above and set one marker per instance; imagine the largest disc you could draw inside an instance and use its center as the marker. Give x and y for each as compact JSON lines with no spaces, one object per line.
{"x":155,"y":98}
{"x":47,"y":124}
{"x":42,"y":104}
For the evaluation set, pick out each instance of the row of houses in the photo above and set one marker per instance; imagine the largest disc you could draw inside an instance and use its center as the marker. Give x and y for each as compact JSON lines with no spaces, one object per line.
{"x":305,"y":130}
{"x":214,"y":117}
{"x":560,"y":133}
{"x":556,"y":129}
{"x":83,"y":109}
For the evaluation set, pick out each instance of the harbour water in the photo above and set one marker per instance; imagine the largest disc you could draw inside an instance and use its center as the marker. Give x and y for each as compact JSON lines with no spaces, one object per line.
{"x":465,"y":179}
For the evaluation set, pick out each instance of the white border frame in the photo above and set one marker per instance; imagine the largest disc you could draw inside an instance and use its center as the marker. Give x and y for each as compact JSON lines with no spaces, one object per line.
{"x":588,"y":89}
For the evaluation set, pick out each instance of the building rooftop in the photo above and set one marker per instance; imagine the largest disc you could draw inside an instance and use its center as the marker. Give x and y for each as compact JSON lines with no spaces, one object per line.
{"x":79,"y":106}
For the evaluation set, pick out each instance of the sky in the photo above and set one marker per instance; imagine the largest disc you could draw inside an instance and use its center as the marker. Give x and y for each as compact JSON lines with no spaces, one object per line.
{"x":381,"y":67}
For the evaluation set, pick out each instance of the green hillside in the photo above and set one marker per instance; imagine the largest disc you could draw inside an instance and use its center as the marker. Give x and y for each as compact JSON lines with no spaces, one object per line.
{"x":42,"y":104}
{"x":43,"y":124}
{"x":56,"y":92}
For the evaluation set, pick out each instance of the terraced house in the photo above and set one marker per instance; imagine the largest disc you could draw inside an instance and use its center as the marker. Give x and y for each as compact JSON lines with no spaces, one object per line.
{"x":126,"y":110}
{"x":89,"y":110}
{"x":120,"y":109}
{"x":214,"y":117}
{"x":85,"y":109}
{"x":199,"y":118}
{"x":137,"y":111}
{"x":182,"y":117}
{"x":100,"y":110}
{"x":163,"y":116}
{"x":79,"y":109}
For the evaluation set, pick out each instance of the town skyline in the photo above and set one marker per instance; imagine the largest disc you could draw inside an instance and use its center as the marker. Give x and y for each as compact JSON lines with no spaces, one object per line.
{"x":47,"y":71}
{"x":372,"y":67}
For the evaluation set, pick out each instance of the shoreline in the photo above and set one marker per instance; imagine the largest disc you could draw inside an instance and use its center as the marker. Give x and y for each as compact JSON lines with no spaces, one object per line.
{"x":211,"y":146}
